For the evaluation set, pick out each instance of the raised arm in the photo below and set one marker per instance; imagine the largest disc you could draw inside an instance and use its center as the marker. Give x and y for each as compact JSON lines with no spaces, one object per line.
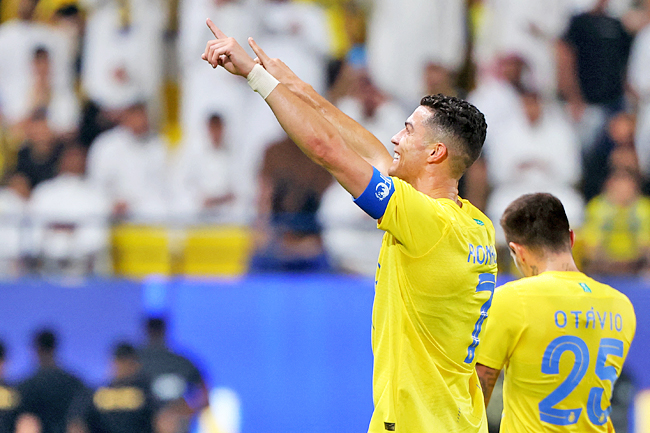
{"x":354,"y":135}
{"x":488,"y":378}
{"x":315,"y":136}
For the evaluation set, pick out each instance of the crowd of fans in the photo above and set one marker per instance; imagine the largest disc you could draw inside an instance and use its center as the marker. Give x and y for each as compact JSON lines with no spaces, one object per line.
{"x":150,"y":390}
{"x":88,"y":117}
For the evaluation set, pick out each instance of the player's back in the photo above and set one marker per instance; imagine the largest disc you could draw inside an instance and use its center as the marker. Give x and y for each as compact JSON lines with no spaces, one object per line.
{"x":569,"y":338}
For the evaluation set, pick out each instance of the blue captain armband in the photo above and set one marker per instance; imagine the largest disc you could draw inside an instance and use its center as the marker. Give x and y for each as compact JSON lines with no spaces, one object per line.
{"x":376,"y":196}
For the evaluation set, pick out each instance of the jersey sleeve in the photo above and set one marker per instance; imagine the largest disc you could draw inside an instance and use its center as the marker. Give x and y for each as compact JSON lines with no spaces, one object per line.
{"x":505,"y":325}
{"x":416,"y":220}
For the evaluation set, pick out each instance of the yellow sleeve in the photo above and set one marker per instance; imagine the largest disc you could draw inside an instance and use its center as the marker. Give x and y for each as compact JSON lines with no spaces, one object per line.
{"x":416,"y":220}
{"x":505,"y":325}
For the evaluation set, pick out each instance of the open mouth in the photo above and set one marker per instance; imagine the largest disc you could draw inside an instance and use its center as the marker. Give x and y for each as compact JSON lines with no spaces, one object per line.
{"x":396,"y":156}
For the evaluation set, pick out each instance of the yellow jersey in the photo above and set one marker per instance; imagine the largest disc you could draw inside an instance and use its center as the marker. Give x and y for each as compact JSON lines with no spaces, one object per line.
{"x":434,"y":284}
{"x":563,"y":338}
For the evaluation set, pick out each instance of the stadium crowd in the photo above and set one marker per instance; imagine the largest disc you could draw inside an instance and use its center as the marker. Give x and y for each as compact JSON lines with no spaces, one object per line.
{"x":110,"y":115}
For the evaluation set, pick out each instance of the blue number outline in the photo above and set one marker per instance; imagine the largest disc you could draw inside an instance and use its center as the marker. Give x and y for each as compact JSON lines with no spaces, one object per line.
{"x":551,"y":365}
{"x":486,"y":282}
{"x":608,"y":346}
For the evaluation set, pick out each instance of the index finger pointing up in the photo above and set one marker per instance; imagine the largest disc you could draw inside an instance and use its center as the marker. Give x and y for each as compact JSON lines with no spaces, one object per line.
{"x":215,"y":30}
{"x":258,"y":51}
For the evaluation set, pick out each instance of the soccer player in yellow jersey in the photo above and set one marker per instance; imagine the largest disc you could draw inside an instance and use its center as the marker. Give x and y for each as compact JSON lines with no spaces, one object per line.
{"x":437,"y":266}
{"x":561,"y":336}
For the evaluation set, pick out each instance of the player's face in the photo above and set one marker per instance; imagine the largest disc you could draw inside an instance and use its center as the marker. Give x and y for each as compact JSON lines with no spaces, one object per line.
{"x":411,"y":147}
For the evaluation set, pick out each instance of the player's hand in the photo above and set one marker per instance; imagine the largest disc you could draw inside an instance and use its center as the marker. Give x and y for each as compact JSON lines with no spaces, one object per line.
{"x":226,"y":52}
{"x":276,"y":67}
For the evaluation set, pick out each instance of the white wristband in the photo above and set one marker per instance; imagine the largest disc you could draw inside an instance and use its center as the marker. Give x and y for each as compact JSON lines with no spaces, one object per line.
{"x":261,"y":81}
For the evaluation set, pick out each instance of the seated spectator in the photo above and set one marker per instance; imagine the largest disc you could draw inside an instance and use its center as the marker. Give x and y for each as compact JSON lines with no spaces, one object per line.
{"x":69,"y":219}
{"x":47,"y":394}
{"x":616,"y":231}
{"x":124,"y":405}
{"x":204,"y":177}
{"x":358,"y":97}
{"x":350,"y":236}
{"x":290,"y":190}
{"x":39,"y":155}
{"x":176,"y":383}
{"x":129,"y":165}
{"x":614,"y":149}
{"x":62,"y":108}
{"x":519,"y":160}
{"x":440,"y":79}
{"x":13,"y":203}
{"x":9,"y":398}
{"x":639,"y":82}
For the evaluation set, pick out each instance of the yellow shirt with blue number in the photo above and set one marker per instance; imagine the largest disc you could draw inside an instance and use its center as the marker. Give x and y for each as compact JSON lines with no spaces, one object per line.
{"x":434,"y":284}
{"x":562,"y":338}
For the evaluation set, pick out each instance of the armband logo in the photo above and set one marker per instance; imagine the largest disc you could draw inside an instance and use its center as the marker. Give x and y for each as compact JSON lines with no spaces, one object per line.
{"x":382,"y":190}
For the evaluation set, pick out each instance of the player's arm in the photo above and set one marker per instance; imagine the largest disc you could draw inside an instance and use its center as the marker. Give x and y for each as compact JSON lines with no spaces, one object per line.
{"x":315,"y":136}
{"x":488,"y":378}
{"x":356,"y":136}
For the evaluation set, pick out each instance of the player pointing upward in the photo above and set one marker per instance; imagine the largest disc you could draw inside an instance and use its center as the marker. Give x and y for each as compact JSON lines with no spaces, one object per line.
{"x":561,"y":336}
{"x":437,"y":266}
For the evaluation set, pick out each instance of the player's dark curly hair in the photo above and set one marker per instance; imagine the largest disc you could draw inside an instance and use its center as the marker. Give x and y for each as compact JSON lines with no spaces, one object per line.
{"x":461,"y":122}
{"x":537,"y":221}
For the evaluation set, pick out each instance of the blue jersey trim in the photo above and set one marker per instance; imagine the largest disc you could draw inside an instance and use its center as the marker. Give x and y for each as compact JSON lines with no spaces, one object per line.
{"x":374,"y":199}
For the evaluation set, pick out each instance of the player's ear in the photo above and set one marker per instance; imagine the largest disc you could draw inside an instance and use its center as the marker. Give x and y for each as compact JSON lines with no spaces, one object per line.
{"x":437,"y":153}
{"x":517,"y":249}
{"x":572,"y":236}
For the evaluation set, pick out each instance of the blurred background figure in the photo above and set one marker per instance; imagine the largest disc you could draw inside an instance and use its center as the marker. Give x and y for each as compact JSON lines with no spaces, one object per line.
{"x":47,"y":394}
{"x":397,"y":53}
{"x":639,"y":83}
{"x":13,"y":204}
{"x":519,"y":160}
{"x":39,"y":154}
{"x":290,"y":190}
{"x":617,"y":227}
{"x":204,"y":177}
{"x":36,"y":57}
{"x":592,"y":57}
{"x":9,"y":397}
{"x":124,"y":405}
{"x":297,"y":33}
{"x":176,"y":383}
{"x":69,"y":218}
{"x":123,"y":51}
{"x":129,"y":165}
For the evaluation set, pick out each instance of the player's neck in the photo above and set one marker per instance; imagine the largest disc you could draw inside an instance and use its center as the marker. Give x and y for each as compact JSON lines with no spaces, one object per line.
{"x":438,"y":186}
{"x":562,"y":262}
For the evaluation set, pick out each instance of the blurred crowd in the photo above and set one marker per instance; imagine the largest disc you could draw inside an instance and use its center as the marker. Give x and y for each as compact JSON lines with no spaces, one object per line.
{"x":109,"y":115}
{"x":150,"y":389}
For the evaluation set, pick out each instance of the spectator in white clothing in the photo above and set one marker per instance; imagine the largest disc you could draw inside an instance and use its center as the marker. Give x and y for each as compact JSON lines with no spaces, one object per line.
{"x":69,"y":218}
{"x":403,"y":40}
{"x":13,"y":202}
{"x":204,"y":177}
{"x":19,"y":40}
{"x":541,"y":154}
{"x":123,"y":51}
{"x":129,"y":165}
{"x":639,"y":81}
{"x":297,"y":32}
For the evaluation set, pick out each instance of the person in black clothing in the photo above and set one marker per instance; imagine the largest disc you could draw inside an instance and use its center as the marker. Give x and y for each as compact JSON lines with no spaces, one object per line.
{"x":125,"y":405}
{"x":39,"y":155}
{"x":47,"y":394}
{"x":9,"y":399}
{"x":176,"y":383}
